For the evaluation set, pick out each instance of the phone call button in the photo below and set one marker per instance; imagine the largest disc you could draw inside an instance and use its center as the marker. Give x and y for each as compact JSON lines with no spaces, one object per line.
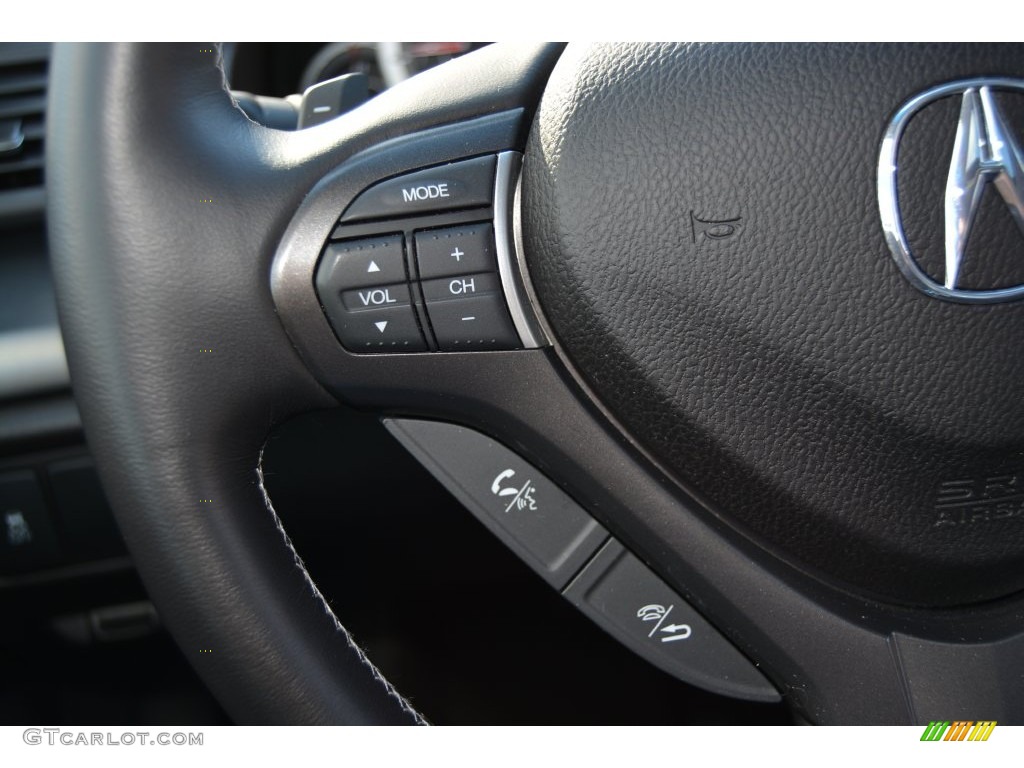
{"x":527,"y":511}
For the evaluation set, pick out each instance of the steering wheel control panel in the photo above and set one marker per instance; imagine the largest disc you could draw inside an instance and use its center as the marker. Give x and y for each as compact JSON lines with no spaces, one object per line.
{"x":577,"y":556}
{"x":424,"y":262}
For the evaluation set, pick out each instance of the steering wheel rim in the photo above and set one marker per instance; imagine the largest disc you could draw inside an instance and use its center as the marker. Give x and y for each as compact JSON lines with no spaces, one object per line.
{"x":207,"y":542}
{"x":183,"y":357}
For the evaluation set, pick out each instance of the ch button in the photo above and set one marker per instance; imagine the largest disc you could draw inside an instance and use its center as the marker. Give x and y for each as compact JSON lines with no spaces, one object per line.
{"x":460,"y":287}
{"x":468,"y":313}
{"x":456,"y":250}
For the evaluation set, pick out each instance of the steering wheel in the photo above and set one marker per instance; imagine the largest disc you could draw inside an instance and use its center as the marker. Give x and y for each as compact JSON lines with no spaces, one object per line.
{"x":723,"y":366}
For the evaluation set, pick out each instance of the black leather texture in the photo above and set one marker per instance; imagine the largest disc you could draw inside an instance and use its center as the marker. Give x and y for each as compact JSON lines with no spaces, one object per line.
{"x":702,"y":227}
{"x":166,"y":205}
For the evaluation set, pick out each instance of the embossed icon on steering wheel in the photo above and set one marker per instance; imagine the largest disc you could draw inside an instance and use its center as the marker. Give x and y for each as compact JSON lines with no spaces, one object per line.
{"x":658,"y":613}
{"x":522,"y":498}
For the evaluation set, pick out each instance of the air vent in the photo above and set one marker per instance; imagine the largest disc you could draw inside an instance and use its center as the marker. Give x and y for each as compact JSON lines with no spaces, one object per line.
{"x":23,"y":75}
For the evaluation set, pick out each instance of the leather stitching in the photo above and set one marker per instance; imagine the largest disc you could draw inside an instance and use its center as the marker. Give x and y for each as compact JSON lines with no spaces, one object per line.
{"x":318,"y":596}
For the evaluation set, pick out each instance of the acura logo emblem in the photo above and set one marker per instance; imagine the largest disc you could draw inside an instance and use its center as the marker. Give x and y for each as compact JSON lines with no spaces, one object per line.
{"x":985,"y":151}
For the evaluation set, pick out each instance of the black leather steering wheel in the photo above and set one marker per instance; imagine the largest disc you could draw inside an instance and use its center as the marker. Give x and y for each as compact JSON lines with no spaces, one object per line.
{"x":741,"y":385}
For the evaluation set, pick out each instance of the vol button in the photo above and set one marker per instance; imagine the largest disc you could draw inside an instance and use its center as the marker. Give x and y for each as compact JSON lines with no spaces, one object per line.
{"x":388,"y":329}
{"x":376,"y":297}
{"x":357,"y":263}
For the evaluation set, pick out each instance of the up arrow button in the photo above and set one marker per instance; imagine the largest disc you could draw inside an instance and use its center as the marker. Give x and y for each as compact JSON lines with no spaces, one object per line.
{"x":362,"y":263}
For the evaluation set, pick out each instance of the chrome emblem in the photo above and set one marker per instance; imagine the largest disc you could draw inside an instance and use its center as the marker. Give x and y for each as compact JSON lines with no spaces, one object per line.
{"x":984,"y":152}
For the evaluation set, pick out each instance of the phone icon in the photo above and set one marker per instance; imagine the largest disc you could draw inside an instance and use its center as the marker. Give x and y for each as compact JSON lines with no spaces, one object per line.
{"x":653,"y":612}
{"x":496,"y":485}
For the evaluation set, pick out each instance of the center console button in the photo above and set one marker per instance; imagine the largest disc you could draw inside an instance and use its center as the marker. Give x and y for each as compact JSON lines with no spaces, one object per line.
{"x":27,"y":538}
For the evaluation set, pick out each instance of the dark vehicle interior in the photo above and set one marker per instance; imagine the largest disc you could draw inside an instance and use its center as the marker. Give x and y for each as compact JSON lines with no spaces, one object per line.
{"x":706,"y":456}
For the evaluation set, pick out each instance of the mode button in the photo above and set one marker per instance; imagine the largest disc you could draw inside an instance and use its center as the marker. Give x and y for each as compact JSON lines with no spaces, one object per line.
{"x":466,"y":184}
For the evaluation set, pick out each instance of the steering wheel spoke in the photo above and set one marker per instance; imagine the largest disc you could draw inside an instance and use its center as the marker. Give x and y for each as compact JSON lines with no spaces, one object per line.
{"x":166,"y":207}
